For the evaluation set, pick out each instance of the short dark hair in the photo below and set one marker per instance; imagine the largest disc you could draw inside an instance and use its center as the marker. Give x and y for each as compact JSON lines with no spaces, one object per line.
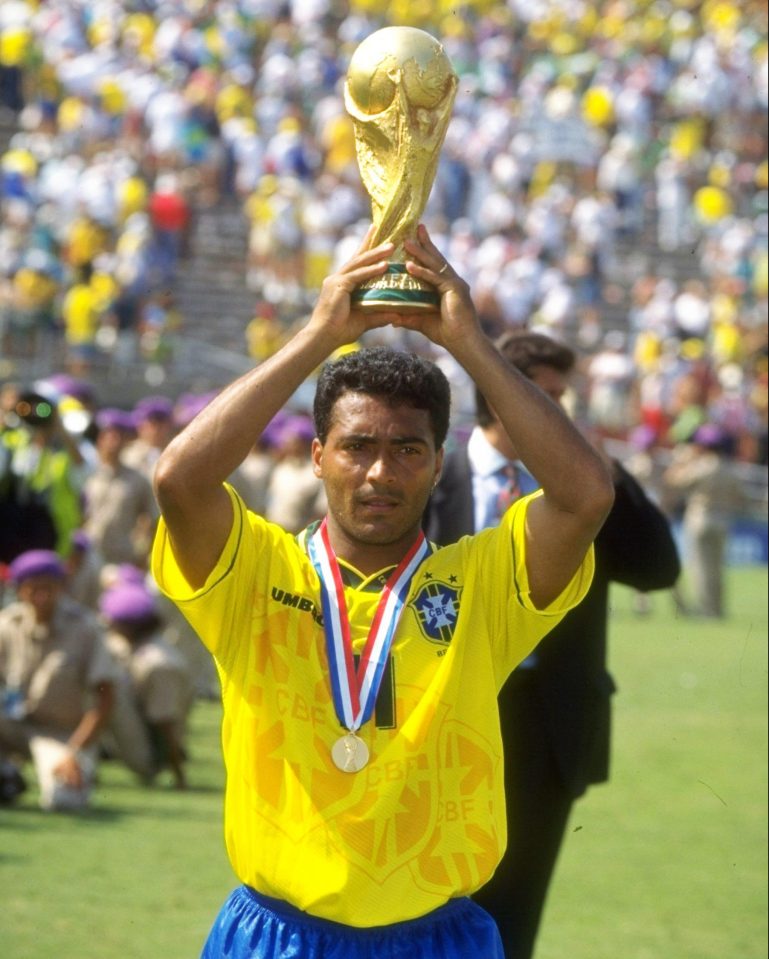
{"x":526,"y":351}
{"x":397,"y":377}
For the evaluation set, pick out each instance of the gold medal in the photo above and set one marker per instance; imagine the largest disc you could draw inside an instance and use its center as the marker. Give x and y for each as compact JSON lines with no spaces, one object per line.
{"x":350,"y":753}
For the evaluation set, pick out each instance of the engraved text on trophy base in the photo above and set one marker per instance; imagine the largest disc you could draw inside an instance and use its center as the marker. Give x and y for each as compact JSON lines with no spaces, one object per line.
{"x":397,"y":290}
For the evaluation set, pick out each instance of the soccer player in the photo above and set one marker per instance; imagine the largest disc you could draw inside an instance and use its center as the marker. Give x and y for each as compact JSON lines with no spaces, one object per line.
{"x":359,"y":666}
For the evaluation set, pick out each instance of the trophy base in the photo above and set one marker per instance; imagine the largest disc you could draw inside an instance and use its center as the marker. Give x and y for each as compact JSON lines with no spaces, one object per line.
{"x":396,"y":292}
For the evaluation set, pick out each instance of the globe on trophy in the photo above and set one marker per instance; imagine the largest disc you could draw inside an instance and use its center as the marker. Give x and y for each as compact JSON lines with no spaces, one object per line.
{"x":399,"y":92}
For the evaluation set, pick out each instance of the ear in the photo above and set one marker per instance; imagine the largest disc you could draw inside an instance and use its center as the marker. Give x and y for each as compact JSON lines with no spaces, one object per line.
{"x":438,"y":467}
{"x":316,"y":454}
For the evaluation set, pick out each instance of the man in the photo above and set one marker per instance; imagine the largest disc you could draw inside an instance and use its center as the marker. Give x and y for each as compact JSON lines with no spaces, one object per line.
{"x":119,"y":508}
{"x":154,"y":425}
{"x":154,"y":695}
{"x":41,"y":475}
{"x":294,"y":495}
{"x":360,"y":823}
{"x":701,"y":477}
{"x":555,"y":708}
{"x":57,"y":681}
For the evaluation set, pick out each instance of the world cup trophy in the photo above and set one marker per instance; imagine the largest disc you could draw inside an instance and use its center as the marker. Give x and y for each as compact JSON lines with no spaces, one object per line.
{"x":399,"y":91}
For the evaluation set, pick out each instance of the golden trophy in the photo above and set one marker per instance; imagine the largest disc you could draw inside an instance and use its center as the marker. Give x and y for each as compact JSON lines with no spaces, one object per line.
{"x":399,"y":91}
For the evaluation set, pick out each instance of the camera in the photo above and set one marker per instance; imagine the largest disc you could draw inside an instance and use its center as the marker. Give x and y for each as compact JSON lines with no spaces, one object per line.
{"x":34,"y":409}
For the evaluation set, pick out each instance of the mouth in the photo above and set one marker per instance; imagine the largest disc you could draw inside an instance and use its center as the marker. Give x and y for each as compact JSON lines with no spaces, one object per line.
{"x":379,"y":504}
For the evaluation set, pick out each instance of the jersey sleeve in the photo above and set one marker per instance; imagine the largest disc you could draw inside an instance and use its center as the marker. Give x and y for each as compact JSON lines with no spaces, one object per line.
{"x":211,"y":610}
{"x":515,"y":625}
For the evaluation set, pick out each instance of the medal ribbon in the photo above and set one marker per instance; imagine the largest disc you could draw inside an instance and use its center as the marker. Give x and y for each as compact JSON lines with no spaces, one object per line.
{"x":355,"y":692}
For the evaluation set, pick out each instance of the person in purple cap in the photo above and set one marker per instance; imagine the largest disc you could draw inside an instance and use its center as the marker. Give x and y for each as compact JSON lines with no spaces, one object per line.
{"x":701,"y":478}
{"x":252,"y":478}
{"x":188,"y":406}
{"x":57,"y":679}
{"x":295,"y":495}
{"x":153,"y":421}
{"x":154,"y":695}
{"x":84,"y":566}
{"x":119,"y":507}
{"x":67,"y":385}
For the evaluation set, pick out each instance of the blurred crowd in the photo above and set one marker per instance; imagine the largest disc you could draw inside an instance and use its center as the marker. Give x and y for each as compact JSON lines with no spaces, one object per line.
{"x":87,"y":643}
{"x":580,"y":129}
{"x":583,"y":133}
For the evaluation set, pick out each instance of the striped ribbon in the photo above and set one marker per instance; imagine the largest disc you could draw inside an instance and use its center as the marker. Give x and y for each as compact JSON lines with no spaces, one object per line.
{"x":355,"y":691}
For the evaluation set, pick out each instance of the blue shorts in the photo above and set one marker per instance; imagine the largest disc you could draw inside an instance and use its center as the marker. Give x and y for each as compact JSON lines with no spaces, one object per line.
{"x":252,"y":926}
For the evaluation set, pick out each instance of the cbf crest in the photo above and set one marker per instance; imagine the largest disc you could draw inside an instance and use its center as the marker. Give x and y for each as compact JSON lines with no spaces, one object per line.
{"x":437,"y":608}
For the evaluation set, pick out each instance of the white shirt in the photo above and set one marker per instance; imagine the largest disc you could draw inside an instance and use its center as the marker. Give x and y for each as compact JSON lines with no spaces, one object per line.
{"x":487,"y":465}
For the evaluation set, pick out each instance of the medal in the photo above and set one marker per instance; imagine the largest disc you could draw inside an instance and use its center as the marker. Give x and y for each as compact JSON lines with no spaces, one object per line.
{"x":354,"y":690}
{"x":350,"y":753}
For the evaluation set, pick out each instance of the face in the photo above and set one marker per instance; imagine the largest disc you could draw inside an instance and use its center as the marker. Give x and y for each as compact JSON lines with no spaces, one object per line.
{"x":378,"y":466}
{"x":155,"y":433}
{"x":550,"y":381}
{"x":41,"y":592}
{"x":110,"y":442}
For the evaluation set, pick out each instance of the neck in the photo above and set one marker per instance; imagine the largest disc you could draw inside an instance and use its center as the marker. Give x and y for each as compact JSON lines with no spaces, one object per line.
{"x":369,"y":558}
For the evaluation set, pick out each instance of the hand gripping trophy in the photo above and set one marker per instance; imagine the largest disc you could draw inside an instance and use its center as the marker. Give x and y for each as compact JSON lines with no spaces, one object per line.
{"x":399,"y":91}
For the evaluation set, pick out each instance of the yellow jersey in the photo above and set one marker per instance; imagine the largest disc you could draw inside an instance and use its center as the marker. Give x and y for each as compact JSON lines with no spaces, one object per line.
{"x":424,"y":821}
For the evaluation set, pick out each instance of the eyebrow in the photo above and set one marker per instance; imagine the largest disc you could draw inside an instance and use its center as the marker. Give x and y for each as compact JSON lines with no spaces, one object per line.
{"x":394,"y":441}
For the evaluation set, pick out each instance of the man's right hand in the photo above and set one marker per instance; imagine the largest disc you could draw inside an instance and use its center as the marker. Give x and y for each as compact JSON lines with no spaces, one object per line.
{"x":335,"y":314}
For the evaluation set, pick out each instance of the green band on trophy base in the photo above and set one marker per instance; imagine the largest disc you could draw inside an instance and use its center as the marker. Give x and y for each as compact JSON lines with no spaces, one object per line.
{"x":396,"y":291}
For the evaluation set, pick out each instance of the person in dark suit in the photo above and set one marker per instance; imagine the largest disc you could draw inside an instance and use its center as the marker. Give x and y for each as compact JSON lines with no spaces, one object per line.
{"x":555,"y":709}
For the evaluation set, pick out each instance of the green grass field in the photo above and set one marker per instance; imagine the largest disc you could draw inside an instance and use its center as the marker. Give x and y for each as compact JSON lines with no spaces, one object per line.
{"x":667,"y":861}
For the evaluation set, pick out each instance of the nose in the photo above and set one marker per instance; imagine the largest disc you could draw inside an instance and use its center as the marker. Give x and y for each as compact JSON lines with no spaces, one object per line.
{"x":380,"y":470}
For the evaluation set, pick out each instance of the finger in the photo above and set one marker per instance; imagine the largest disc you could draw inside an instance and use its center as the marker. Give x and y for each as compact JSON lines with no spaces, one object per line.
{"x":440,"y":277}
{"x":355,"y":274}
{"x":366,"y":247}
{"x":367,"y":257}
{"x":424,"y":237}
{"x":426,"y":252}
{"x":366,"y":239}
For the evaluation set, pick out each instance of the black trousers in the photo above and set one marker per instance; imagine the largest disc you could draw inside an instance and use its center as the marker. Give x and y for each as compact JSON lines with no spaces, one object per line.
{"x":538,"y":807}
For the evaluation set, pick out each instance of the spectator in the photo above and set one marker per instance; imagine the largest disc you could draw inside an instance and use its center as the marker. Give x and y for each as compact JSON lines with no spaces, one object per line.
{"x":611,"y":375}
{"x":153,"y":422}
{"x":169,"y":214}
{"x":40,"y":477}
{"x":713,"y":497}
{"x":252,"y":478}
{"x":119,"y":506}
{"x":81,"y":312}
{"x":57,"y":679}
{"x":153,"y":696}
{"x":84,"y":568}
{"x":294,"y":494}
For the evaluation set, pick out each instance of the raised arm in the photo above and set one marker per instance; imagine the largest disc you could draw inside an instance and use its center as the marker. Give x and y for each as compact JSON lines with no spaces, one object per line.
{"x":190,"y":472}
{"x":576,"y":483}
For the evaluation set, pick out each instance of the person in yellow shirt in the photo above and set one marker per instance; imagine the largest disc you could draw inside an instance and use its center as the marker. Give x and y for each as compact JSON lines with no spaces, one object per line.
{"x":85,"y":240}
{"x":359,"y":665}
{"x":81,"y":311}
